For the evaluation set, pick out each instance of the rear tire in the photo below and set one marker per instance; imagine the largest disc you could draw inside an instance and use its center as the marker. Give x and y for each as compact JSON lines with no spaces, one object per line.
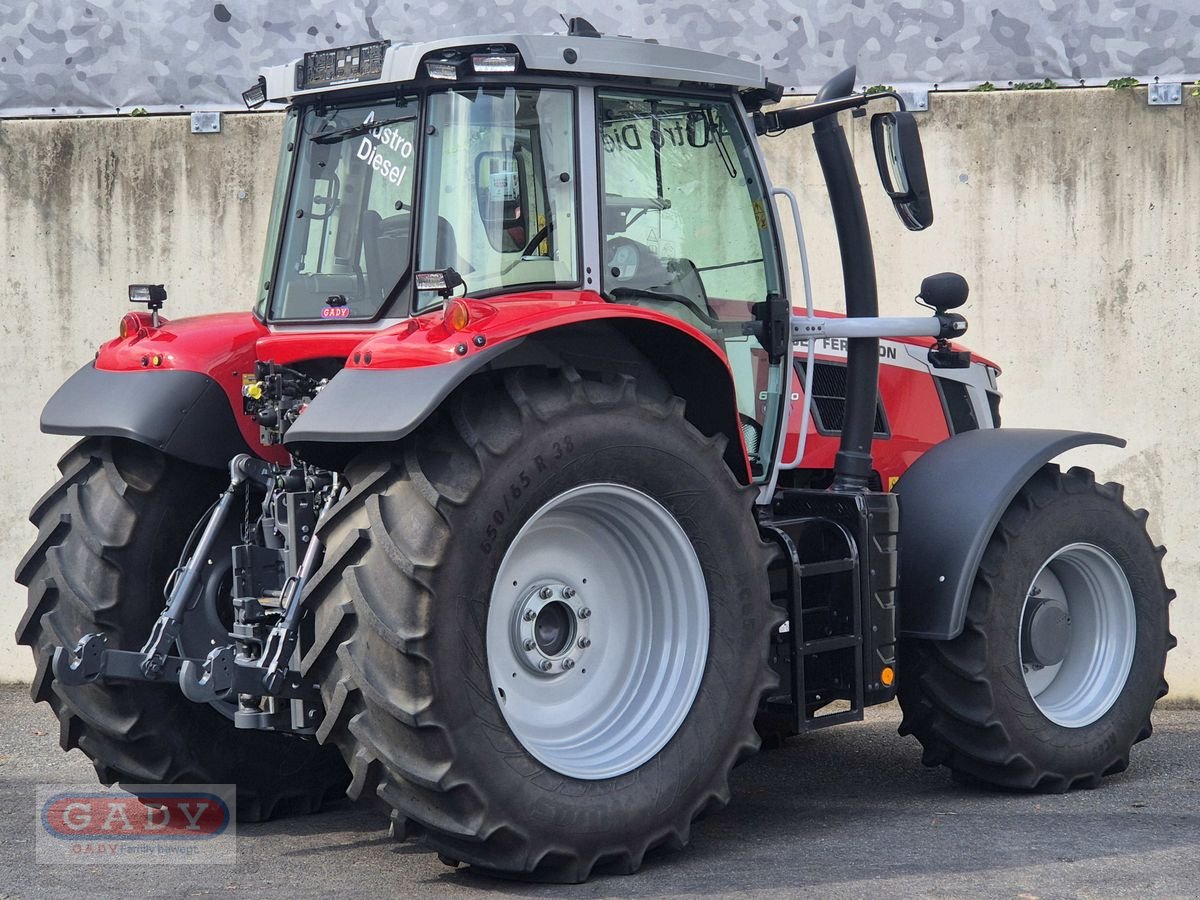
{"x":109,"y":533}
{"x":987,"y":706}
{"x":420,"y":606}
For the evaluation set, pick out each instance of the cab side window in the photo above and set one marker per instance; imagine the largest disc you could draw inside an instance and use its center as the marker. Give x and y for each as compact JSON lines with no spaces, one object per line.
{"x":683,"y":209}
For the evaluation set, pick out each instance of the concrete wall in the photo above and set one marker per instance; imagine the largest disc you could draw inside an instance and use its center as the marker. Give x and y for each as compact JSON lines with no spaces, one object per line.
{"x":1072,"y":214}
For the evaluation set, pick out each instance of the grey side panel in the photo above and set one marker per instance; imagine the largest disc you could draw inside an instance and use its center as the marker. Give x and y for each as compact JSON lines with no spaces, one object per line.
{"x":184,"y":414}
{"x":368,"y":406}
{"x":950,"y":502}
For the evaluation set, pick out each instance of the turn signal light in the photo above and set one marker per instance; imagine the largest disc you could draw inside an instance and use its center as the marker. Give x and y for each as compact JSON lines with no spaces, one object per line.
{"x":887,"y":676}
{"x":457,"y":315}
{"x":130,"y":326}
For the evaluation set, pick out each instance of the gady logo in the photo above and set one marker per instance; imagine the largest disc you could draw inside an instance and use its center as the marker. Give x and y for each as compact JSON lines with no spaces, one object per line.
{"x":117,"y":816}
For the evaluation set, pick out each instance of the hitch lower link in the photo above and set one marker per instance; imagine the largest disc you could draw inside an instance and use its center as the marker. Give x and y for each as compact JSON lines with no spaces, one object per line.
{"x":223,"y":674}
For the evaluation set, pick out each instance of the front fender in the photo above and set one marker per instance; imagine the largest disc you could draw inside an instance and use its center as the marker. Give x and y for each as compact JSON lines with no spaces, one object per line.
{"x":183,"y":414}
{"x":951,"y":500}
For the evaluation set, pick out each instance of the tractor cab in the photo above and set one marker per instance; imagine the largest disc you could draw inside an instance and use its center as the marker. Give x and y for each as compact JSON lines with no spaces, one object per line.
{"x":492,"y":168}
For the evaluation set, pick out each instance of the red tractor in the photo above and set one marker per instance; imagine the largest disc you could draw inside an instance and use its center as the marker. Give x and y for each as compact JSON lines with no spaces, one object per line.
{"x":513,"y":503}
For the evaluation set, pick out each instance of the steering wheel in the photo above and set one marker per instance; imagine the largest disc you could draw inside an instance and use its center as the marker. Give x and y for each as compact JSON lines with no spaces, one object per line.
{"x":635,"y":272}
{"x":543,"y":233}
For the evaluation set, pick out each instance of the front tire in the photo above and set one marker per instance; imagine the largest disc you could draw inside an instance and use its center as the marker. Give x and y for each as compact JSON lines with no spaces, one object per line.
{"x":1062,"y":654}
{"x":452,"y":638}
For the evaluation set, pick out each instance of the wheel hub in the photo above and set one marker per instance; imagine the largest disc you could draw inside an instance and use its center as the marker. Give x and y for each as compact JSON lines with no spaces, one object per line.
{"x":551,"y":629}
{"x":1046,"y":633}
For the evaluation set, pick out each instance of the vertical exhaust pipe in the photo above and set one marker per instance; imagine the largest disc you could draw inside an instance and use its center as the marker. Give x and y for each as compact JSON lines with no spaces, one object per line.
{"x":852,"y":464}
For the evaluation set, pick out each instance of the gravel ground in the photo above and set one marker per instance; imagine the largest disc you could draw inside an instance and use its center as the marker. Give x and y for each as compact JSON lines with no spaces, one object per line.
{"x":845,"y":812}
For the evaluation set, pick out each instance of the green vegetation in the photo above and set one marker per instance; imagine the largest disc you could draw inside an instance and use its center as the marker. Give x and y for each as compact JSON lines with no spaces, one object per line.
{"x":880,"y":89}
{"x":1122,"y":84}
{"x":983,"y":88}
{"x":1046,"y":84}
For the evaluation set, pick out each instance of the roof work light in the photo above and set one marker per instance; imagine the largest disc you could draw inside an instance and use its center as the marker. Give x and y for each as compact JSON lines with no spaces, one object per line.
{"x":486,"y":63}
{"x":257,"y":95}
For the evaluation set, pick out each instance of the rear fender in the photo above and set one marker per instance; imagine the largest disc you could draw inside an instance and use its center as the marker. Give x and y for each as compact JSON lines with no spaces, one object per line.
{"x":183,"y":414}
{"x":951,"y":500}
{"x":371,"y":405}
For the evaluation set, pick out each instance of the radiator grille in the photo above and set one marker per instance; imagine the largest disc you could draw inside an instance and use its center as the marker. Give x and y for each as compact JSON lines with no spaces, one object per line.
{"x":829,"y":398}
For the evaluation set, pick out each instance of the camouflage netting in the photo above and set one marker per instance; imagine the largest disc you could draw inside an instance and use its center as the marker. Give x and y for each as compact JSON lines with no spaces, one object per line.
{"x":70,"y":57}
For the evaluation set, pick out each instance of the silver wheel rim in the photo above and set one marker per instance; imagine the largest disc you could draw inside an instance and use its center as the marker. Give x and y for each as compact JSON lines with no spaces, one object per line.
{"x":597,"y":632}
{"x":1097,"y":643}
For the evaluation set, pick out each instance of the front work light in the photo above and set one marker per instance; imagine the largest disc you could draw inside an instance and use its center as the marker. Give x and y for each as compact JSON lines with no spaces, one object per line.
{"x":494,"y":62}
{"x":257,"y":95}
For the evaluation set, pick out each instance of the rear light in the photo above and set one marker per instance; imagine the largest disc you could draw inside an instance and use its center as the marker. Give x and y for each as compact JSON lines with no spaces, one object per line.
{"x":457,"y":315}
{"x":494,"y":62}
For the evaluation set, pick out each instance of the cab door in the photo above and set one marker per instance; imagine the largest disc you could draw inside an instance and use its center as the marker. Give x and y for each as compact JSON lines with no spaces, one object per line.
{"x":687,"y":230}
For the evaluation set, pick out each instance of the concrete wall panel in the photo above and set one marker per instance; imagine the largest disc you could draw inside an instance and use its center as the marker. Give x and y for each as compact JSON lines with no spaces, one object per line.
{"x":1071,"y":213}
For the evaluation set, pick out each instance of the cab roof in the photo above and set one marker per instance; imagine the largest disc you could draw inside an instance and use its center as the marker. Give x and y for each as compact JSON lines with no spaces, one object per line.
{"x":382,"y":63}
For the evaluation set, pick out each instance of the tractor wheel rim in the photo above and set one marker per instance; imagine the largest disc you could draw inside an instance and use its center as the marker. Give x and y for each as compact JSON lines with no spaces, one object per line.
{"x":1097,"y":653}
{"x":597,"y":631}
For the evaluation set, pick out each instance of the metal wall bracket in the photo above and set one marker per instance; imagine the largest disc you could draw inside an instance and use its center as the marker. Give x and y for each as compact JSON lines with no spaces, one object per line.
{"x":916,"y":99}
{"x":1164,"y":94}
{"x":206,"y":123}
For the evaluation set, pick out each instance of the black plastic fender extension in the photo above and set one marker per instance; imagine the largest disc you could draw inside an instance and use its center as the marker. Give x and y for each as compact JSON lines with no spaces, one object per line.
{"x":384,"y":405}
{"x":183,"y":414}
{"x":951,"y":500}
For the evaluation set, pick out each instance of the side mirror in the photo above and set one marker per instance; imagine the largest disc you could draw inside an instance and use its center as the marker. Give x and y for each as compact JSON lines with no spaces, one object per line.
{"x":901,"y":164}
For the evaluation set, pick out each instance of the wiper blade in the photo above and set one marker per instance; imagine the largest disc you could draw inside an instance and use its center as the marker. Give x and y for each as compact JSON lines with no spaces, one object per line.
{"x":332,"y":137}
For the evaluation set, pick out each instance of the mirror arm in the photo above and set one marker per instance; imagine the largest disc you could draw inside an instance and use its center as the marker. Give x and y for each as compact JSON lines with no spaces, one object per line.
{"x":782,"y":120}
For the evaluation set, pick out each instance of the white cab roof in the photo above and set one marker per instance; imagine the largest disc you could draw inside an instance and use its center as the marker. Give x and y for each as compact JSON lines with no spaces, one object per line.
{"x":593,"y":56}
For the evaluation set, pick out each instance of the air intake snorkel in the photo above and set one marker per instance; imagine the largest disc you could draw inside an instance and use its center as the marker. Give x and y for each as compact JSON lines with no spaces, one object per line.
{"x":853,"y":464}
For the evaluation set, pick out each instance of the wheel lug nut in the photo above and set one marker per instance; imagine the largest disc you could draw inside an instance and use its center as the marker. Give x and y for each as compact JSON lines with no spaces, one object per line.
{"x":568,"y":593}
{"x":529,"y":644}
{"x":545,"y":593}
{"x":568,"y":664}
{"x":584,"y":613}
{"x":530,"y":615}
{"x":584,"y":643}
{"x":546,"y":665}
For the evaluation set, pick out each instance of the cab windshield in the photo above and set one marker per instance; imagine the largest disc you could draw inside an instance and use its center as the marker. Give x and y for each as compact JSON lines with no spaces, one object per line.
{"x":496,"y":201}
